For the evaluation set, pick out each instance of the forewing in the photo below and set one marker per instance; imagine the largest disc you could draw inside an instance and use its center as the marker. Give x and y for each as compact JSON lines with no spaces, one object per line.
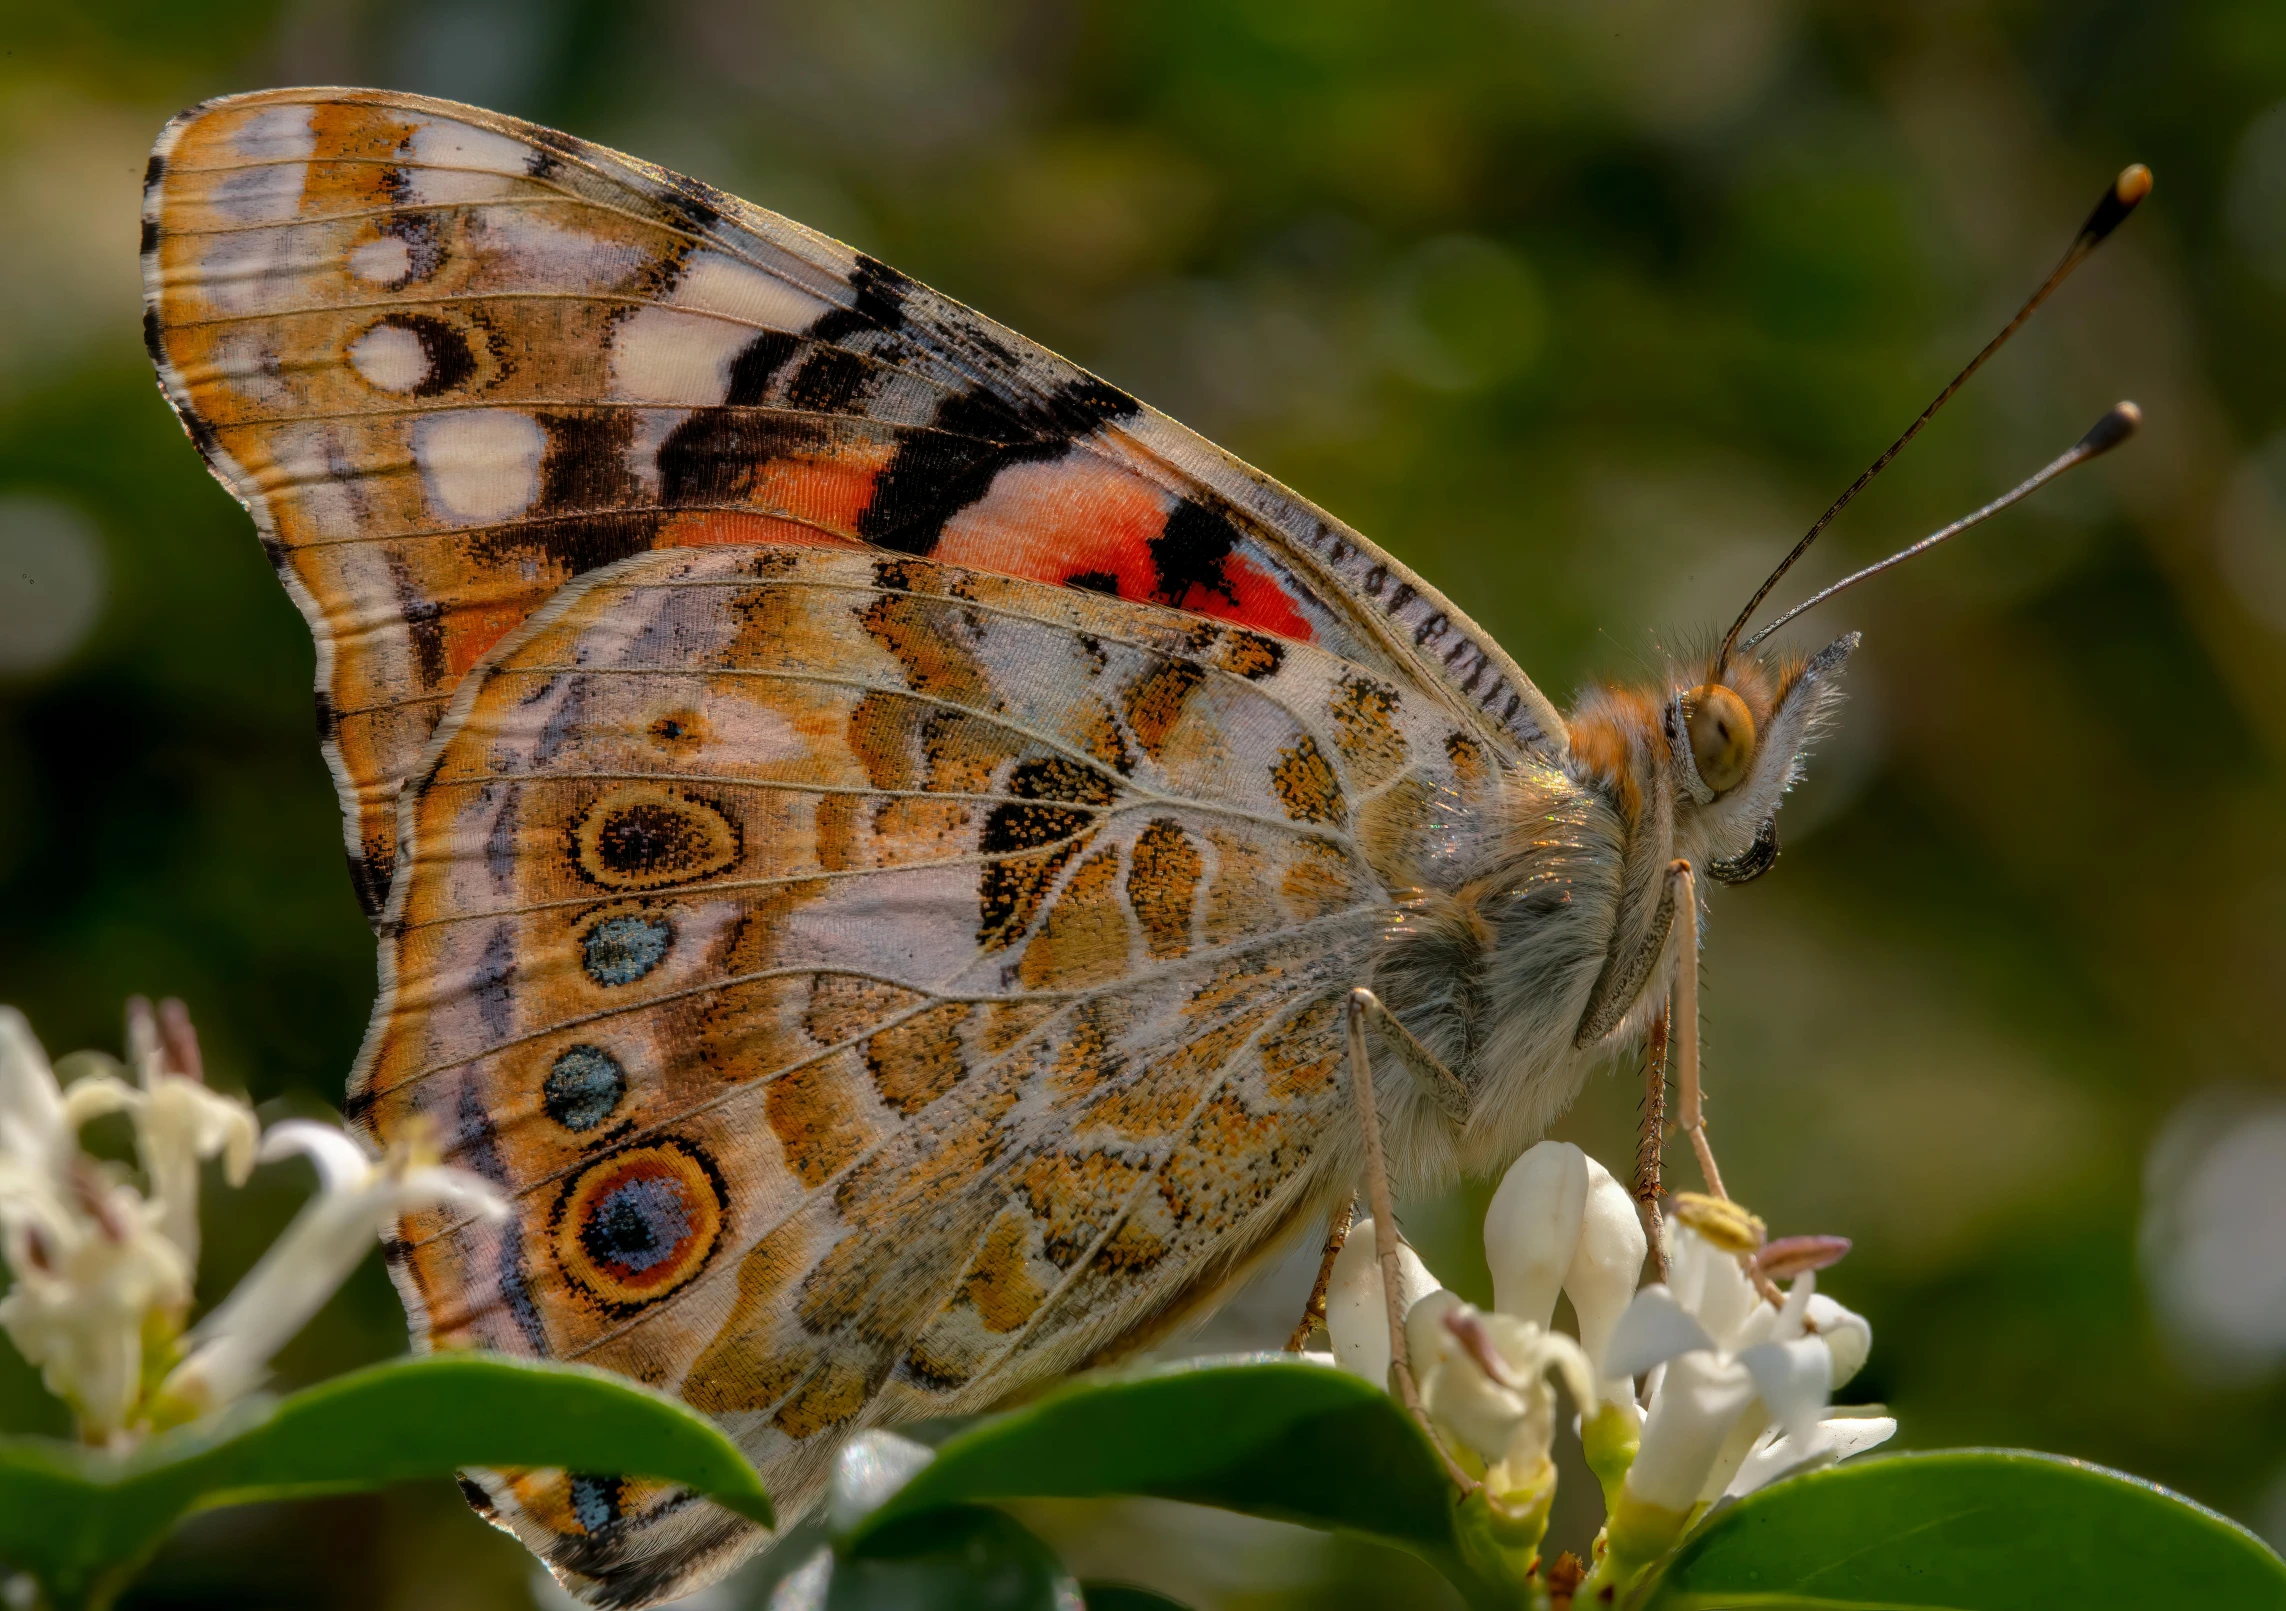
{"x":878,"y":986}
{"x":449,"y":360}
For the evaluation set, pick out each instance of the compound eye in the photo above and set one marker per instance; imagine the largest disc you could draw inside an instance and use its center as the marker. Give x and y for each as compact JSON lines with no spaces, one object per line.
{"x":1722,"y":736}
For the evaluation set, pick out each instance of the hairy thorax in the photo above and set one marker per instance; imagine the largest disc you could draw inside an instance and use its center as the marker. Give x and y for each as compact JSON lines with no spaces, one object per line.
{"x":1492,"y":968}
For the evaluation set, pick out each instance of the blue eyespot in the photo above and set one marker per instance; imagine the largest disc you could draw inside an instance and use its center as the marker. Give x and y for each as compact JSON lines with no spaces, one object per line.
{"x":595,"y":1501}
{"x":583,"y":1087}
{"x":620,"y":950}
{"x":638,"y":1226}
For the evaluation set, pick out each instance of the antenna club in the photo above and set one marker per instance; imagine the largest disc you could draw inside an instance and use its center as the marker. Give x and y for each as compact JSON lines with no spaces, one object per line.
{"x":2132,"y":185}
{"x":2107,"y":433}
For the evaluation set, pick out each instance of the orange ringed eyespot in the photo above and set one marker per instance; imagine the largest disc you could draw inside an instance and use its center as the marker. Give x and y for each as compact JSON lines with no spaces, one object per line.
{"x":638,"y":1224}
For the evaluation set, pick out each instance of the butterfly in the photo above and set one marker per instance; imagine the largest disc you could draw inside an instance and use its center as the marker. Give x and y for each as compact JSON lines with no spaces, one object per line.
{"x":871,"y":829}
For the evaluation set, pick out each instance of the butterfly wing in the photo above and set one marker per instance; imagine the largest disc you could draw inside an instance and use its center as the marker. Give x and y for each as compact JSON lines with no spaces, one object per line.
{"x":450,"y":360}
{"x":877,"y":986}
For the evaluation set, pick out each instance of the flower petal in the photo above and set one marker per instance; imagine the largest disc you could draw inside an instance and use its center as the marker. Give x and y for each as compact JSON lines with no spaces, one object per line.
{"x":1691,"y":1417}
{"x":31,"y":1106}
{"x":1654,"y":1328}
{"x":1794,"y":1379}
{"x":435,"y":1183}
{"x":342,"y":1164}
{"x":1710,"y":1283}
{"x":95,"y":1096}
{"x":1848,"y":1336}
{"x":1835,"y":1438}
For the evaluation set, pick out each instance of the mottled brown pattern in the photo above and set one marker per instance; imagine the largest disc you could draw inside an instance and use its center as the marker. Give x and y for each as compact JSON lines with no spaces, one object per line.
{"x":1074,"y":1196}
{"x":1154,"y":703}
{"x":842,"y":1006}
{"x":1234,"y":1160}
{"x":1302,"y":1057}
{"x":1157,"y":1101}
{"x":738,"y":1369}
{"x":1241,"y":897}
{"x":1010,"y":890}
{"x":739,"y":660}
{"x":1307,"y":784}
{"x":817,"y":1119}
{"x":1000,"y":1284}
{"x":912,"y":629}
{"x":918,"y":1060}
{"x":1162,"y":886}
{"x":1368,"y":740}
{"x":1086,"y":936}
{"x":1249,"y":654}
{"x":828,"y":1399}
{"x":1320,"y":879}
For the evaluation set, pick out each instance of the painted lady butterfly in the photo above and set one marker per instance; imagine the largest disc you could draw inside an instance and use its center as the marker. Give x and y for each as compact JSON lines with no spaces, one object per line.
{"x":871,"y":829}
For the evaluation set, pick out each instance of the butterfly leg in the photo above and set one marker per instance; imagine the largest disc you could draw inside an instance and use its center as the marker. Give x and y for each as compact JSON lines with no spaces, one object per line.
{"x":1622,"y":979}
{"x":1385,"y":1240}
{"x":1442,"y":1085}
{"x":1690,"y":1115}
{"x":1314,"y":1312}
{"x":1651,"y":1141}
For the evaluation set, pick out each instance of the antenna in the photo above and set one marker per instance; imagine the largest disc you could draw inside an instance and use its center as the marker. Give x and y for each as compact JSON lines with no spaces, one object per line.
{"x":2132,"y":185}
{"x":2104,"y":435}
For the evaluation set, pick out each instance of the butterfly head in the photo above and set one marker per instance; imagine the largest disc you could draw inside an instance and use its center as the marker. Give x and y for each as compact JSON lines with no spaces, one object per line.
{"x":1721,"y":740}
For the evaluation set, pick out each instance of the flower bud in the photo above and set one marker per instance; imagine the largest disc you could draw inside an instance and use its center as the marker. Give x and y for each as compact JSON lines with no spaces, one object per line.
{"x":1356,"y":1318}
{"x":1606,"y":1266}
{"x":1532,"y":1229}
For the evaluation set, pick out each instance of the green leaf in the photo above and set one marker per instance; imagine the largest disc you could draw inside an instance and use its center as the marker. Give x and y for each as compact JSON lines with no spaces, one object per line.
{"x":1265,"y":1435}
{"x":955,"y":1559}
{"x":1968,"y":1530}
{"x":1126,"y":1597}
{"x":80,"y":1521}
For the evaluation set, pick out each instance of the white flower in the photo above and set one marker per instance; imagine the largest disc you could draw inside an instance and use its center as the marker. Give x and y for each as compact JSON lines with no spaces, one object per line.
{"x":358,"y":1198}
{"x":1488,"y":1380}
{"x":94,"y":1274}
{"x":1736,"y":1375}
{"x":1559,"y":1223}
{"x":178,"y":1120}
{"x":90,"y":1270}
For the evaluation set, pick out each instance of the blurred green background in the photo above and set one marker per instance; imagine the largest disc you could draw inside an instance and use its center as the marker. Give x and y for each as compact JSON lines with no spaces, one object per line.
{"x":1584,"y":308}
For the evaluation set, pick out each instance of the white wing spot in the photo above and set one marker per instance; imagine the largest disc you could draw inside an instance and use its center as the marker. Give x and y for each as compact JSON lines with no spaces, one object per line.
{"x":386,"y":261}
{"x":276,"y":134}
{"x":279,"y":138}
{"x":661,"y":356}
{"x":241,"y":272}
{"x":712,"y":283}
{"x":459,"y":163}
{"x":681,"y":353}
{"x":480,"y":465}
{"x":391,"y":357}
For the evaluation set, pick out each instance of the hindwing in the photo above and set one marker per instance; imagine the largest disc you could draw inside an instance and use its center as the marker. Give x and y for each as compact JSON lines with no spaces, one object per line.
{"x":878,"y":986}
{"x":450,"y":360}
